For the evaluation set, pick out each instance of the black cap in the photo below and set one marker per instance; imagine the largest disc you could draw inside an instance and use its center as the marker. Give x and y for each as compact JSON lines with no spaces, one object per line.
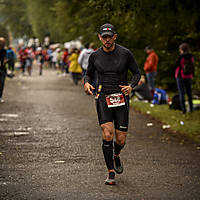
{"x":148,"y":48}
{"x":107,"y":29}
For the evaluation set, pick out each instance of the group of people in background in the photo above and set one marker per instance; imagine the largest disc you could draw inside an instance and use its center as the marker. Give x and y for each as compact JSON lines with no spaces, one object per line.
{"x":64,"y":60}
{"x":75,"y":62}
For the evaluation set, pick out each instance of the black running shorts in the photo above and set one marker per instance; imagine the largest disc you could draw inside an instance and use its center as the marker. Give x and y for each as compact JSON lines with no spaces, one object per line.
{"x":119,"y":115}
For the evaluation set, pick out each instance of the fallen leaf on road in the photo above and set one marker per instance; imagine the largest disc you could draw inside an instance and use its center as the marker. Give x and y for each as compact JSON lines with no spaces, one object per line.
{"x":9,"y":115}
{"x":60,"y":161}
{"x":3,"y":120}
{"x":21,"y":133}
{"x":166,"y":126}
{"x":149,"y":124}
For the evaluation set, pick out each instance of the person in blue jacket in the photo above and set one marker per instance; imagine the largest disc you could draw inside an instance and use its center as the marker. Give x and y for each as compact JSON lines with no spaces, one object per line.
{"x":10,"y":56}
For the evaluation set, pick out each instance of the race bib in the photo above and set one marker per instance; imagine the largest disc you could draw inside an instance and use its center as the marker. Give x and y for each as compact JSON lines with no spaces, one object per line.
{"x":115,"y":100}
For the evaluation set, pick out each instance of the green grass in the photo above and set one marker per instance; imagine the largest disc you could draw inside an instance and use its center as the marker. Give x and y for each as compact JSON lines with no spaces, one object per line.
{"x":187,"y":125}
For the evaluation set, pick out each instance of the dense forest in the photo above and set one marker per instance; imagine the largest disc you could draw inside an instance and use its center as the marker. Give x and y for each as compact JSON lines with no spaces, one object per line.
{"x":162,"y":24}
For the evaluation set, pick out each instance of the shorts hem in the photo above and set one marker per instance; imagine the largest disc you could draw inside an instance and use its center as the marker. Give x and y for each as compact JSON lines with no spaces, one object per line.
{"x":103,"y":122}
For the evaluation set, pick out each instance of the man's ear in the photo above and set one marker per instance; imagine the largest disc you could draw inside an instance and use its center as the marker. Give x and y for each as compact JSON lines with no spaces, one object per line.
{"x":99,"y":36}
{"x":115,"y":36}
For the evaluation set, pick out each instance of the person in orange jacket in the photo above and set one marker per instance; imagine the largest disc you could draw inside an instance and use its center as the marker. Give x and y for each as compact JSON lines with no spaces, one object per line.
{"x":150,"y":67}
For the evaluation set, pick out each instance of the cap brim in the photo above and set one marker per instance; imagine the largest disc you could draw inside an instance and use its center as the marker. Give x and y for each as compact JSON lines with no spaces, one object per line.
{"x":107,"y":33}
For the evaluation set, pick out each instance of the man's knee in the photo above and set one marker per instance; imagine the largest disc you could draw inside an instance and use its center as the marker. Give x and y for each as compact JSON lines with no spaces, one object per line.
{"x":121,"y":137}
{"x":107,"y":131}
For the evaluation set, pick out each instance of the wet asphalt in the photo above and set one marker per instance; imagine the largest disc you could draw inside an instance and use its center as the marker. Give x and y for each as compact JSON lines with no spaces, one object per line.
{"x":50,"y":148}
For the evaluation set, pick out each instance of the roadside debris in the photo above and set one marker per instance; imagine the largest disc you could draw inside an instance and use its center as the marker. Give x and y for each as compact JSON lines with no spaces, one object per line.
{"x":59,"y":161}
{"x":3,"y":120}
{"x":149,"y":124}
{"x":10,"y":115}
{"x":21,"y":133}
{"x":166,"y":126}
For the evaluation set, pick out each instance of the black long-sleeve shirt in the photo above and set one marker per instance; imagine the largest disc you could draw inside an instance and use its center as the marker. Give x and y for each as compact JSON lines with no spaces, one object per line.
{"x":112,"y":69}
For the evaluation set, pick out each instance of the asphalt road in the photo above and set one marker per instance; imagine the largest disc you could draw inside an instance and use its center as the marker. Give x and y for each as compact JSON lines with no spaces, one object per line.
{"x":50,"y":148}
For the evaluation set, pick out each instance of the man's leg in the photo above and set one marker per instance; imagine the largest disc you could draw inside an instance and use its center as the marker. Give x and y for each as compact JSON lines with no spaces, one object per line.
{"x":120,"y":141}
{"x":188,"y":87}
{"x":107,"y":147}
{"x":151,"y":81}
{"x":118,"y":146}
{"x":13,"y":66}
{"x":23,"y":67}
{"x":181,"y":92}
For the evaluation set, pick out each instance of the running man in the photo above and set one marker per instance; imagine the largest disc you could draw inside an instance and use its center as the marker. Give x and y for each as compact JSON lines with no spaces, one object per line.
{"x":112,"y":62}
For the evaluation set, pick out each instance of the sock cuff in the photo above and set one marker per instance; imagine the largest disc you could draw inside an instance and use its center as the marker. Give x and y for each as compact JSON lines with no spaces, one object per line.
{"x":119,"y":144}
{"x":107,"y":142}
{"x":118,"y":148}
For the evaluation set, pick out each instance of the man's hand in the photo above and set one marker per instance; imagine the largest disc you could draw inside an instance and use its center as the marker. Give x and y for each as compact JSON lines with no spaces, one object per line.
{"x":5,"y":61}
{"x":88,"y":88}
{"x":126,"y":89}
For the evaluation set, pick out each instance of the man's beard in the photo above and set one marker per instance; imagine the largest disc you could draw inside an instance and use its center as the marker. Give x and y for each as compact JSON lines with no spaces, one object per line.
{"x":108,"y":46}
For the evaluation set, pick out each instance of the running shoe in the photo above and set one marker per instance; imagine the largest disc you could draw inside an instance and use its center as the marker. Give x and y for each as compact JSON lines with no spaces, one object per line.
{"x":111,"y":179}
{"x":118,"y":166}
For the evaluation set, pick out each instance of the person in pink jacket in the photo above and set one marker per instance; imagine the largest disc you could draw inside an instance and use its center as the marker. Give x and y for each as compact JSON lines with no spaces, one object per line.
{"x":183,"y":76}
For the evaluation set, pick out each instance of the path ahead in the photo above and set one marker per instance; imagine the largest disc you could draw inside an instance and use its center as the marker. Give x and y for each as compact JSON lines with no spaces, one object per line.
{"x":50,"y":148}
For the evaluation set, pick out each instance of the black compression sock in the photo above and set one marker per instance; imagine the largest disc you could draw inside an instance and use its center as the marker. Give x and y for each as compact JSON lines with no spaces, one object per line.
{"x":118,"y":148}
{"x":107,"y":148}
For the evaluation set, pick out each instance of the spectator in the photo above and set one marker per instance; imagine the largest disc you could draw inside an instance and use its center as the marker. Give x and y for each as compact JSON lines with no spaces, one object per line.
{"x":2,"y":66}
{"x":84,"y":57}
{"x":40,"y":59}
{"x":150,"y":67}
{"x":74,"y":66}
{"x":183,"y":78}
{"x":49,"y":57}
{"x":29,"y":59}
{"x":65,"y":61}
{"x":54,"y":59}
{"x":10,"y":55}
{"x":59,"y":59}
{"x":22,"y":58}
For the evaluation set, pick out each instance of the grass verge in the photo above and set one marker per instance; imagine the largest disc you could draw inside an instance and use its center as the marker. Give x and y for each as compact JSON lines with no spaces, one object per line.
{"x":187,"y":125}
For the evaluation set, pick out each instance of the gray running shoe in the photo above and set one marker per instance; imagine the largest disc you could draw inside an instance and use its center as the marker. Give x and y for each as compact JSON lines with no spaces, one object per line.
{"x":118,"y":165}
{"x":111,"y":179}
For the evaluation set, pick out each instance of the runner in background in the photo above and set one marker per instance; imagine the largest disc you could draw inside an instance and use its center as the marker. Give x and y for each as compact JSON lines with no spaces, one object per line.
{"x":40,"y":59}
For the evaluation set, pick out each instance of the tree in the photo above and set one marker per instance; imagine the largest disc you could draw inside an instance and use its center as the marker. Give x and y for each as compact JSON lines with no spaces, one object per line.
{"x":163,"y":24}
{"x":14,"y":16}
